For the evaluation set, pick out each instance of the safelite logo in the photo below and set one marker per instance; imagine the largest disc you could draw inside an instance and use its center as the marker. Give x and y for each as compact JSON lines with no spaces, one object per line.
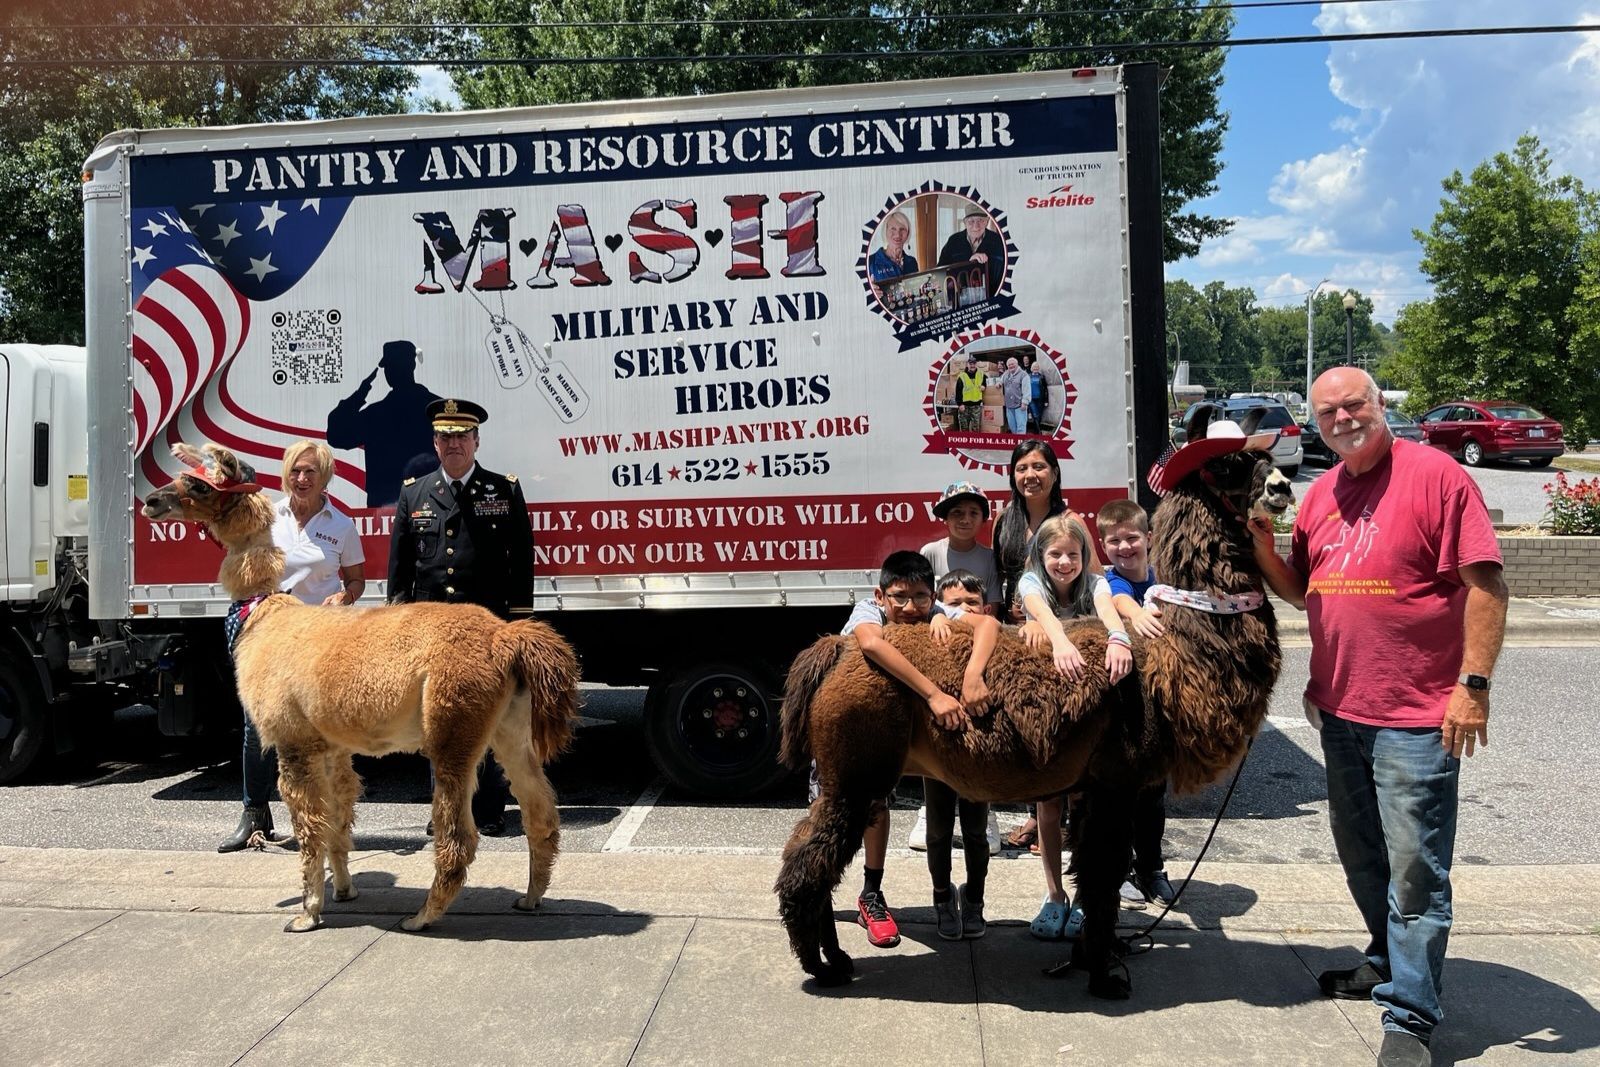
{"x":1061,"y":196}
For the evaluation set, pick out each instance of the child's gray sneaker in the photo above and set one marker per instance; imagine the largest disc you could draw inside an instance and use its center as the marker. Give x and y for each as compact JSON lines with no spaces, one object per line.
{"x":949,"y":923}
{"x":972,"y":924}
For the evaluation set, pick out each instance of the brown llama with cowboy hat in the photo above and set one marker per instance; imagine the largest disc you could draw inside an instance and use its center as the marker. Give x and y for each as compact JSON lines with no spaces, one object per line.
{"x":321,"y":684}
{"x":1196,"y":697}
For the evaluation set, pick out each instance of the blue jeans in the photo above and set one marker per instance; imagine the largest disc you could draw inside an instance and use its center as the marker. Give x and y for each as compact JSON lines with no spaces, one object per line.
{"x":260,"y":768}
{"x":1017,"y":420}
{"x":1392,"y":805}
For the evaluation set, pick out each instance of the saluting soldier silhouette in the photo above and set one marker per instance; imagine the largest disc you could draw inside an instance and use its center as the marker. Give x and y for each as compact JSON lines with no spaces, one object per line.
{"x":393,"y":431}
{"x":461,"y":535}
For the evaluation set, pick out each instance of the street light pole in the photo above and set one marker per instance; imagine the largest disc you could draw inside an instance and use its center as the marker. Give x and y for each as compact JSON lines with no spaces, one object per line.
{"x":1349,"y":325}
{"x":1310,"y":297}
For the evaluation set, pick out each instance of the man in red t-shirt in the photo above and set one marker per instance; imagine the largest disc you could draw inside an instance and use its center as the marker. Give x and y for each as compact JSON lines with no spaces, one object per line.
{"x":1395,"y":562}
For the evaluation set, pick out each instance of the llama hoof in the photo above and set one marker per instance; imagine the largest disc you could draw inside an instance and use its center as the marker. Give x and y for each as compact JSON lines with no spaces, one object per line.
{"x":528,"y":903}
{"x":302,"y":923}
{"x":413,"y":925}
{"x":840,"y":960}
{"x":1108,"y":986}
{"x":834,"y":974}
{"x":347,"y":893}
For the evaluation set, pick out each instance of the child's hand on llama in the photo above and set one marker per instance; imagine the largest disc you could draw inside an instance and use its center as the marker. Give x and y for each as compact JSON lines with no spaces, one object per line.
{"x":1068,"y":660}
{"x":974,"y":692}
{"x":1033,"y":635}
{"x":1146,"y":622}
{"x":946,"y":710}
{"x":1119,"y":661}
{"x":940,"y":625}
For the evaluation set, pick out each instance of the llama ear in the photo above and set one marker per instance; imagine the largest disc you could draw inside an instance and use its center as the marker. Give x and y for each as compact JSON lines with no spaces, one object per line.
{"x":247,"y":473}
{"x":223,"y":461}
{"x":1251,"y":420}
{"x":188,"y":455}
{"x":1199,"y":419}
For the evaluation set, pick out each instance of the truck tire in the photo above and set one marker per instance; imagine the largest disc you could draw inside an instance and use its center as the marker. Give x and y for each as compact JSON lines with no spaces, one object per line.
{"x":24,"y":722}
{"x":712,"y":729}
{"x":1472,"y":453}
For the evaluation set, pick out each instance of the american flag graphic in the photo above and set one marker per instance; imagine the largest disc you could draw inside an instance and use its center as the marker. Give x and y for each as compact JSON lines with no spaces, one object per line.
{"x":195,"y":272}
{"x":1161,"y":461}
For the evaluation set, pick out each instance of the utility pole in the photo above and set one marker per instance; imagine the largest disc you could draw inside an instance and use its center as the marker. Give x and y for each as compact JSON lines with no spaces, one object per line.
{"x":1310,"y":360}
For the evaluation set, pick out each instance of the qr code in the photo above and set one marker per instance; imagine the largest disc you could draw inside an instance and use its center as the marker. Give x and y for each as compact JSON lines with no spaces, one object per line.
{"x":308,"y":347}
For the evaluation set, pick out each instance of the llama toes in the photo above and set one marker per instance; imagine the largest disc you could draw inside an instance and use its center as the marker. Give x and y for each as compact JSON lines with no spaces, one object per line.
{"x":541,"y":819}
{"x":455,"y":841}
{"x":303,"y":783}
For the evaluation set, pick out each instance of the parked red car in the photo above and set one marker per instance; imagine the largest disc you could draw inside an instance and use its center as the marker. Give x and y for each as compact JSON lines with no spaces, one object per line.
{"x":1479,"y":430}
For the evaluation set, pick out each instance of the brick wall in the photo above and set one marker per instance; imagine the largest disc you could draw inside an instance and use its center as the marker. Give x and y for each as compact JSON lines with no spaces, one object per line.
{"x":1542,"y":566}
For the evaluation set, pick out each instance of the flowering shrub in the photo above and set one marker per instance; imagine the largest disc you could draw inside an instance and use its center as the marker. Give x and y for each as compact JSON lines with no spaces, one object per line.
{"x":1574,"y":507}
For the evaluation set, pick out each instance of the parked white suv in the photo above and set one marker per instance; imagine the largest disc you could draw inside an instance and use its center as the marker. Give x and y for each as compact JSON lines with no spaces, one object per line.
{"x":1287,"y":454}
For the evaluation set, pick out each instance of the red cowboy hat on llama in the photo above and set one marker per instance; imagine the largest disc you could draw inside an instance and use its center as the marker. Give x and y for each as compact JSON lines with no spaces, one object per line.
{"x":1206,"y":441}
{"x":222,"y":483}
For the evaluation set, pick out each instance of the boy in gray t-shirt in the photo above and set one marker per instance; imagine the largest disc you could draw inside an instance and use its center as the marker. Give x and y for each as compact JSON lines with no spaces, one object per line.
{"x":964,"y":509}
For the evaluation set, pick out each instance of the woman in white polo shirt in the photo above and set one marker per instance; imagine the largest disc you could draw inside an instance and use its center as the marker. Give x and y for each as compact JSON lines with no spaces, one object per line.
{"x":322,"y":564}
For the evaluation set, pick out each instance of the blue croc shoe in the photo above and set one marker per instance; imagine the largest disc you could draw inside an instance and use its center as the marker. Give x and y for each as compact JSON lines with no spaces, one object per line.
{"x":1074,"y":925}
{"x":1051,"y":922}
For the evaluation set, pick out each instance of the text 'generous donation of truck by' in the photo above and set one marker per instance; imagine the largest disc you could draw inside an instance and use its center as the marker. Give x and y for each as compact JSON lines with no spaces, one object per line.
{"x":717,"y":338}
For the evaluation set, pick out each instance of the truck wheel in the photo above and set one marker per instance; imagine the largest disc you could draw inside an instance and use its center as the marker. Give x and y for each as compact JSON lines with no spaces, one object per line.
{"x":1472,"y":454}
{"x":712,"y":729}
{"x":24,"y":722}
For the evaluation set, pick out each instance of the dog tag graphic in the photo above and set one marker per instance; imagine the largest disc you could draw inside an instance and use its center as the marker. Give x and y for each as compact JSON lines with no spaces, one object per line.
{"x":557,"y":384}
{"x":508,"y":352}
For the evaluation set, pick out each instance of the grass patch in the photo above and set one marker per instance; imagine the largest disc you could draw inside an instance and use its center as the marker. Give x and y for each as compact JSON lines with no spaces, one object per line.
{"x":1577,"y":464}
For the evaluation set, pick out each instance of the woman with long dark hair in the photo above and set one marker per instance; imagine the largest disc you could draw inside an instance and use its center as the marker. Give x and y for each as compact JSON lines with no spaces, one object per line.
{"x":1035,"y":496}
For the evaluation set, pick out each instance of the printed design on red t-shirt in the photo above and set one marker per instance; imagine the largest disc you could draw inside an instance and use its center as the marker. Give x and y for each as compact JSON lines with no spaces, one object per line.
{"x":1355,"y":541}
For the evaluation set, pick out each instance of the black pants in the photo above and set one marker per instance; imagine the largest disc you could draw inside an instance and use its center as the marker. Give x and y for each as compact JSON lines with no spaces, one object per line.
{"x":1149,"y":823}
{"x":942,"y":803}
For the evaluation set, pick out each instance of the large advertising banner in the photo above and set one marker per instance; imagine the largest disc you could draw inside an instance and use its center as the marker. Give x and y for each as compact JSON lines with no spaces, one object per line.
{"x":760,"y":342}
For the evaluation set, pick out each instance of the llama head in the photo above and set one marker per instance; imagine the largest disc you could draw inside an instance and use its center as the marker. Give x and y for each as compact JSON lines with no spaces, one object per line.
{"x":207,"y":491}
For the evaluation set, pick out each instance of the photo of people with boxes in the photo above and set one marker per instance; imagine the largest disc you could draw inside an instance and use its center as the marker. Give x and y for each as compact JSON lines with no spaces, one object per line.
{"x":933,"y":254}
{"x":1000,"y":385}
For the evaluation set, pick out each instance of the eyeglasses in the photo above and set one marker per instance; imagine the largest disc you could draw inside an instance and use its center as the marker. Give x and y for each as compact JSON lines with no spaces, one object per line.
{"x":921,"y":600}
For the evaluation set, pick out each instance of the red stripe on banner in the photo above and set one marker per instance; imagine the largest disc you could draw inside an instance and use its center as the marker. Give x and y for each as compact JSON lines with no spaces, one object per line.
{"x":159,"y":374}
{"x":161,"y":316}
{"x":197,"y":294}
{"x":705,"y":536}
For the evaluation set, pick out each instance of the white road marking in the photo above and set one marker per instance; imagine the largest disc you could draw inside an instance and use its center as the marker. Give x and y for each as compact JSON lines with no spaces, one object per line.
{"x":621,"y":839}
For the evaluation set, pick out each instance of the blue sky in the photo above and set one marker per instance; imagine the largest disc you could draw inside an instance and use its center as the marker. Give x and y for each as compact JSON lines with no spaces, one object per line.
{"x":1334,"y":153}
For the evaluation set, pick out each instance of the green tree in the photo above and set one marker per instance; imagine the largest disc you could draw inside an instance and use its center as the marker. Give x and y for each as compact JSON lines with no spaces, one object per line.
{"x":1512,"y":256}
{"x":52,"y":116}
{"x":1192,"y":121}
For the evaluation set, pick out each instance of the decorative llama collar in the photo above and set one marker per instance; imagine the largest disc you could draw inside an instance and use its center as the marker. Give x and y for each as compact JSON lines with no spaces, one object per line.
{"x":1200,"y":600}
{"x":238,"y":612}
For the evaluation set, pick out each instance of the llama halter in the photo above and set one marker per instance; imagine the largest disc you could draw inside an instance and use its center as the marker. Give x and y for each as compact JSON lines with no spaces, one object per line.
{"x":1200,"y":600}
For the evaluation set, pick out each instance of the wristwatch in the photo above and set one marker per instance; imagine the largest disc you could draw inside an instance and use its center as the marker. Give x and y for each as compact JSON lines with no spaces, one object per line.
{"x":1479,"y":682}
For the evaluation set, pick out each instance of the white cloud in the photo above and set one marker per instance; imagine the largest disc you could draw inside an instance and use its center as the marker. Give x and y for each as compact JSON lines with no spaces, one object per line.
{"x":1418,"y":111}
{"x":1328,"y":179}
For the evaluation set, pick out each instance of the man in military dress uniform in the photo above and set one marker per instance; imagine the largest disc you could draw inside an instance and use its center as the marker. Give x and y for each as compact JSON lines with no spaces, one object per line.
{"x":461,"y":536}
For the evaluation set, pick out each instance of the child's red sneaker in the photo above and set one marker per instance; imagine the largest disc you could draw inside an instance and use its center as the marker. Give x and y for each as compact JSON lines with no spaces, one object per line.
{"x":872,"y":913}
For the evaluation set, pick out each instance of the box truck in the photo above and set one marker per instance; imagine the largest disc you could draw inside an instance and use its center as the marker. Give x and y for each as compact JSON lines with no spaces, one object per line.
{"x":717,"y":340}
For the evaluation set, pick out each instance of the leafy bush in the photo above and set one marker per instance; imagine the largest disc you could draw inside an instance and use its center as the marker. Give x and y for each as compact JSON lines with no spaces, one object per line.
{"x":1574,"y":507}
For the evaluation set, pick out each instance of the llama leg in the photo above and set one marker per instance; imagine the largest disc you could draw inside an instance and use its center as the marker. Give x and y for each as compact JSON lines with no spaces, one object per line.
{"x":821,"y":847}
{"x":346,"y":785}
{"x":1101,"y":862}
{"x":541,"y":820}
{"x":303,"y":784}
{"x":455,"y":837}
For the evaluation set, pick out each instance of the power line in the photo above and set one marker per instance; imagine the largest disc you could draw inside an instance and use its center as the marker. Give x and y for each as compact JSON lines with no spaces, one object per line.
{"x":813,"y":57}
{"x":964,"y":16}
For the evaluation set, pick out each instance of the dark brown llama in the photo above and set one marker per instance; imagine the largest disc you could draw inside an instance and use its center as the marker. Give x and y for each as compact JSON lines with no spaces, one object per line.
{"x":1196,"y":697}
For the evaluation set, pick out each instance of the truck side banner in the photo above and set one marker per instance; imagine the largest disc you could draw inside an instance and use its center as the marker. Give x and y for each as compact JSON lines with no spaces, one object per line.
{"x":760,"y":342}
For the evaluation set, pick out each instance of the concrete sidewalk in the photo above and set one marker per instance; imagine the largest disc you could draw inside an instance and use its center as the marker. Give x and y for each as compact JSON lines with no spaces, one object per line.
{"x":153,"y":958}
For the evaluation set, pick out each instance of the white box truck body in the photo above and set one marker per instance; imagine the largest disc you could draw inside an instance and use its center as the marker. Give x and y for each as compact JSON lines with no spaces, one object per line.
{"x":717,"y":340}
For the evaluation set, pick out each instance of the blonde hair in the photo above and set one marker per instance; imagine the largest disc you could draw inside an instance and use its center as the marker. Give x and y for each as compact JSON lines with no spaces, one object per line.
{"x":324,"y":456}
{"x":1079,"y":599}
{"x":895,"y":216}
